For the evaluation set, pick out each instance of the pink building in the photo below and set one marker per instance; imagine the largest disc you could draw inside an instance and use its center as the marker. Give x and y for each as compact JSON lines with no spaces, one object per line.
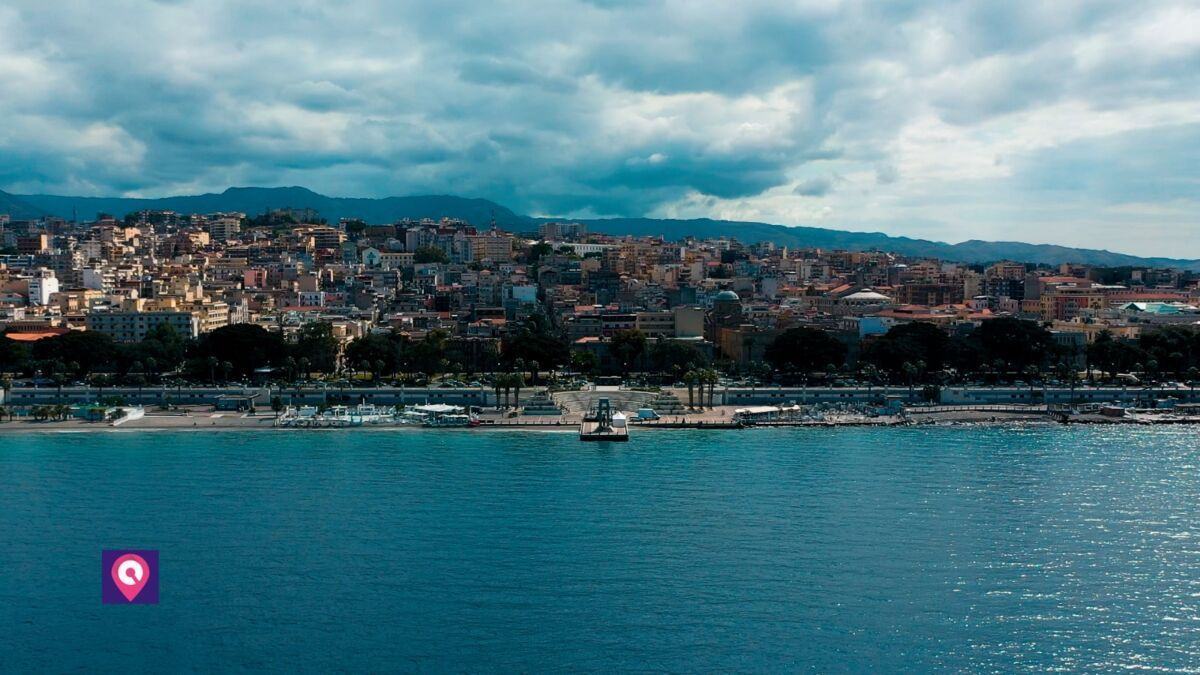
{"x":254,"y":278}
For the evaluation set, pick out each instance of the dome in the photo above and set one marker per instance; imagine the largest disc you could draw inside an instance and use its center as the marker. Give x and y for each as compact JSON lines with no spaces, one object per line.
{"x":727,"y":295}
{"x":867,"y":295}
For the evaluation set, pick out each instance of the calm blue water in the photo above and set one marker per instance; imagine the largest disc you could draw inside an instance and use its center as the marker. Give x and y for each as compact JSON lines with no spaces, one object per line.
{"x":832,"y":550}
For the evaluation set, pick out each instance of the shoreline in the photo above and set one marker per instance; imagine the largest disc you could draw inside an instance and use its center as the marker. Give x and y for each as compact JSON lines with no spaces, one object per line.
{"x":716,"y":420}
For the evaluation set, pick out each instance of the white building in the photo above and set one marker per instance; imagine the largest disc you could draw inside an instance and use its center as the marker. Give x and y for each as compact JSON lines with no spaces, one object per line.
{"x":42,"y":285}
{"x":98,"y":278}
{"x":128,"y":326}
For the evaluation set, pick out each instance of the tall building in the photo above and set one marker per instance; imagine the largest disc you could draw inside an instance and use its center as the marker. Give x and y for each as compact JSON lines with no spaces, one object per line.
{"x":42,"y":285}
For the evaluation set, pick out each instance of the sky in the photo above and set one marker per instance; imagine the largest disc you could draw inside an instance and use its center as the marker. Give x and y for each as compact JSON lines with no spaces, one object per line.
{"x":1063,"y":122}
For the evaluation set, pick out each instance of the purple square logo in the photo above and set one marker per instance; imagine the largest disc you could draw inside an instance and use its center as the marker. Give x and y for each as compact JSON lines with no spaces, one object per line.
{"x":129,"y":577}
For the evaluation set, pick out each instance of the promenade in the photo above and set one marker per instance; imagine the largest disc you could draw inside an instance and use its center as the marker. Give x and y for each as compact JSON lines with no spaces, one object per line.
{"x":229,"y":408}
{"x":485,"y":397}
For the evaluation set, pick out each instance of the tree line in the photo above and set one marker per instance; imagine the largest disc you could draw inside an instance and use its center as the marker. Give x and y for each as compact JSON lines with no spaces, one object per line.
{"x":230,"y":352}
{"x":1002,"y":349}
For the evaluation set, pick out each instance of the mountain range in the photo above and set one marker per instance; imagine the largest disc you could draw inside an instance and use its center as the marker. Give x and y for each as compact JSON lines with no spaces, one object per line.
{"x":253,"y":200}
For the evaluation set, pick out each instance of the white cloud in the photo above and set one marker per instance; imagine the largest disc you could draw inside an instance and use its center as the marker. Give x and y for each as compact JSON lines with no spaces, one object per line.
{"x":933,"y":116}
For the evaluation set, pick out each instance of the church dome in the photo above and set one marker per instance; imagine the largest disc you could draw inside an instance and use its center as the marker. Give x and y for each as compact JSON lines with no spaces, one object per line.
{"x":867,"y":295}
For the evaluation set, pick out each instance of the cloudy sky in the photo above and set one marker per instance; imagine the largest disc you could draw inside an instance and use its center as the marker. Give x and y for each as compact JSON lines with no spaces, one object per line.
{"x":1048,"y":121}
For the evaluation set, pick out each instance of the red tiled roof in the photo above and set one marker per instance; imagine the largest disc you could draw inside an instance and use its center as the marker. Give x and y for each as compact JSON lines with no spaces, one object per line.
{"x":32,"y":336}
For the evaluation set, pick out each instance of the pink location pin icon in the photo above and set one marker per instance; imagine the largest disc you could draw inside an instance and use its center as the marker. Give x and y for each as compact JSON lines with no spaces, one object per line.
{"x":130,"y":573}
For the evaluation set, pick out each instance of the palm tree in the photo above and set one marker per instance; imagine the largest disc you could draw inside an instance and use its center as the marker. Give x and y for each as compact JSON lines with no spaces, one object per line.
{"x":1072,"y":379}
{"x":1031,"y":374}
{"x":869,"y":373}
{"x":689,"y":378}
{"x":59,"y":379}
{"x":534,"y":367}
{"x":212,"y":362}
{"x":139,"y":380}
{"x":910,"y":373}
{"x":1193,"y":373}
{"x":99,"y":381}
{"x":1177,"y":359}
{"x":3,"y":412}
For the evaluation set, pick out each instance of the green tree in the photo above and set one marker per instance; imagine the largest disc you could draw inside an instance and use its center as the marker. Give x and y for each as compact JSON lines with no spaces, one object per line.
{"x":239,"y":349}
{"x":805,"y":350}
{"x":165,"y":345}
{"x":1175,"y":348}
{"x":690,"y":378}
{"x":430,"y":254}
{"x":710,"y":377}
{"x":1031,"y":373}
{"x":538,"y":251}
{"x":15,"y":357}
{"x":1017,"y":342}
{"x":315,"y":341}
{"x":910,"y":371}
{"x":627,"y":346}
{"x":535,"y":340}
{"x":429,"y":353}
{"x":92,"y":350}
{"x":583,"y":361}
{"x":666,"y":356}
{"x":374,"y":348}
{"x":909,"y":342}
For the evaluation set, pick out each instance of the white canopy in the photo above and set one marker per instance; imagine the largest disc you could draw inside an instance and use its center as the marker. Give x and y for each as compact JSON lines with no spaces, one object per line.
{"x":438,"y":408}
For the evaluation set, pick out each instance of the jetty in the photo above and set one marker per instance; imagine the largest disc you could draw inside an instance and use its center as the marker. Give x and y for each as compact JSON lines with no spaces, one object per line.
{"x":602,"y":424}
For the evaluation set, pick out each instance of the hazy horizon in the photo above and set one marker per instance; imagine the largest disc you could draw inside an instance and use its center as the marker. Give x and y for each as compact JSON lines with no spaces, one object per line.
{"x":1075,"y":123}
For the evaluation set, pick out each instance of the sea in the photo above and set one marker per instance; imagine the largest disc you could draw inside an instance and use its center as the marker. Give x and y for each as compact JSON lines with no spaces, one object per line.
{"x":964,"y":549}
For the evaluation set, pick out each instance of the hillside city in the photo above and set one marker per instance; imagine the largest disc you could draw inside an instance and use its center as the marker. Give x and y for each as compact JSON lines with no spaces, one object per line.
{"x":284,"y":296}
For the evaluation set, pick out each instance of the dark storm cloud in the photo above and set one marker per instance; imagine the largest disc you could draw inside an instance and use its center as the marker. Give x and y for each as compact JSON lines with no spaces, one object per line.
{"x":606,"y":107}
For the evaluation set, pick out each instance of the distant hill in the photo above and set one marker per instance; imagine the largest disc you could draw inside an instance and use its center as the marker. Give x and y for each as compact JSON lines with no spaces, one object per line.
{"x":973,"y":251}
{"x":253,"y":201}
{"x":18,"y":209}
